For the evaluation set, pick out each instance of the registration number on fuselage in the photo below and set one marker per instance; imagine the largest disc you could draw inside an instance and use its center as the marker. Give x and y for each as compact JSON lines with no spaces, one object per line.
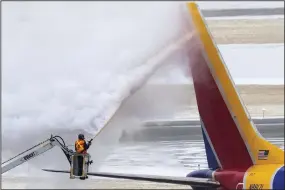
{"x":256,"y":186}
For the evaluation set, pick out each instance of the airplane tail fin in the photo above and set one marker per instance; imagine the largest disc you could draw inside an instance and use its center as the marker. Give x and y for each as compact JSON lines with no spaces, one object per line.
{"x":229,"y":133}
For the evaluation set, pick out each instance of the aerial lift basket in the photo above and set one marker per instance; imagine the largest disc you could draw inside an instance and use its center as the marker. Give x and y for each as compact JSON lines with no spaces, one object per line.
{"x":75,"y":165}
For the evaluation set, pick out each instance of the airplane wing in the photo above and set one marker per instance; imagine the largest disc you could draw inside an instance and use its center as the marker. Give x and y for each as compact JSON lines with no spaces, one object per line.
{"x":192,"y":181}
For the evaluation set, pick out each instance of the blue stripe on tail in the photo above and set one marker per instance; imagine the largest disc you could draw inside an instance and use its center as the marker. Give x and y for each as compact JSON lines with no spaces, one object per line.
{"x":212,"y":161}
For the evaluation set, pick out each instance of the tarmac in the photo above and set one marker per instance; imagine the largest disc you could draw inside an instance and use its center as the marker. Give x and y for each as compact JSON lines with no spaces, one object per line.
{"x":242,"y":12}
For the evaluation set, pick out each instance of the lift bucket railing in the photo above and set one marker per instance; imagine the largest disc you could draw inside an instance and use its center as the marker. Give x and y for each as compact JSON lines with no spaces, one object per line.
{"x":79,"y":165}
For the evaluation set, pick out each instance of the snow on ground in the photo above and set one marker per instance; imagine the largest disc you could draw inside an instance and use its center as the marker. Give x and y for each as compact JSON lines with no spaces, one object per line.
{"x":247,"y":63}
{"x":255,"y":63}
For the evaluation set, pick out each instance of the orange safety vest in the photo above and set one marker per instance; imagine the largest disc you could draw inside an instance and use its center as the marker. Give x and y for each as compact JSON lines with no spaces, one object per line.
{"x":79,"y":146}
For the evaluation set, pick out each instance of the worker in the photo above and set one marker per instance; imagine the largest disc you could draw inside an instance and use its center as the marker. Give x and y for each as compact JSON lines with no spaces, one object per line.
{"x":81,"y":147}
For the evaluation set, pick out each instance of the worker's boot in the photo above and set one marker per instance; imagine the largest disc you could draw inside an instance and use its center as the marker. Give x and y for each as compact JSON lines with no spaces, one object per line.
{"x":82,"y":178}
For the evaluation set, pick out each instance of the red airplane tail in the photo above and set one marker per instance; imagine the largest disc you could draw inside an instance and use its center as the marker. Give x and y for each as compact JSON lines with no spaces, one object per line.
{"x":228,"y":129}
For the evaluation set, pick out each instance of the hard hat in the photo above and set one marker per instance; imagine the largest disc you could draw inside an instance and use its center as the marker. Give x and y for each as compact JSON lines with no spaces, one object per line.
{"x":81,"y":136}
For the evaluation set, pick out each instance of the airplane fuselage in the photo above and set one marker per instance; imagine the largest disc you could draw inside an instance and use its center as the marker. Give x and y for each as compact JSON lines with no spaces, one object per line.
{"x":270,"y":176}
